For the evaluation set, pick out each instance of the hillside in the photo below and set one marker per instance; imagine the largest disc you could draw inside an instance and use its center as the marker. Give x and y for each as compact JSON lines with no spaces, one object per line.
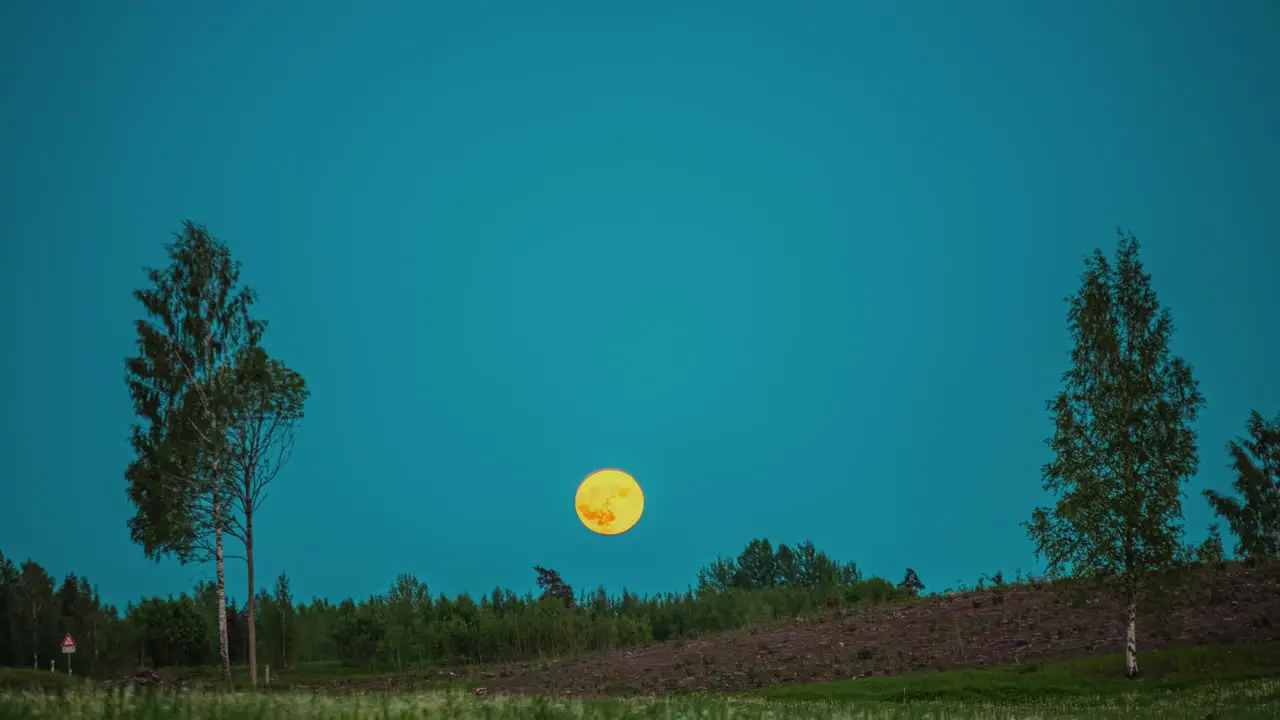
{"x":1020,"y":624}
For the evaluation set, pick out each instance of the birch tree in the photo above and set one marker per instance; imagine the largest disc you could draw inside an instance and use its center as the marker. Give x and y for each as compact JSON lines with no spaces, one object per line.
{"x":1122,"y":441}
{"x":266,"y":405}
{"x":197,"y":323}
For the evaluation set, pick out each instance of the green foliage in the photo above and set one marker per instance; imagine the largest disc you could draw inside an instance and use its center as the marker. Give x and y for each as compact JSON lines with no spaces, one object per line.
{"x":551,"y":585}
{"x":277,"y":619}
{"x":759,"y":566}
{"x":35,"y":612}
{"x":172,"y":632}
{"x":1123,"y":442}
{"x":911,"y":582}
{"x":407,"y":627}
{"x":263,"y":404}
{"x":14,"y":680}
{"x":1168,"y":670}
{"x":1255,"y":518}
{"x":197,"y":322}
{"x":1210,"y":551}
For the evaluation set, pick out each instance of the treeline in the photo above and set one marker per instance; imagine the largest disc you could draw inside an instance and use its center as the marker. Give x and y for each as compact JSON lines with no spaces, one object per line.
{"x":409,"y":627}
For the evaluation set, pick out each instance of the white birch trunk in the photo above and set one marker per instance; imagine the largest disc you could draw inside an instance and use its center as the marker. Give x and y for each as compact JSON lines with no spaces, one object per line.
{"x":224,"y":652}
{"x":1131,"y":639}
{"x":252,"y":614}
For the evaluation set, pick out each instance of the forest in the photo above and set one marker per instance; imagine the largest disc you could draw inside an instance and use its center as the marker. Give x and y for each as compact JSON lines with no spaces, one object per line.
{"x":407,"y":627}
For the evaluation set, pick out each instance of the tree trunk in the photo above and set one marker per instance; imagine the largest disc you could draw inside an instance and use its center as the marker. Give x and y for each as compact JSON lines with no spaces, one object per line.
{"x":252,"y":617}
{"x":284,"y":640}
{"x":1131,"y":637}
{"x":224,"y":652}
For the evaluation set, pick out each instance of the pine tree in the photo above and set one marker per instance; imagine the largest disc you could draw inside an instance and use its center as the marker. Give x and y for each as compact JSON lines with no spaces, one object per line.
{"x":552,"y":585}
{"x":1255,"y":518}
{"x":911,"y":582}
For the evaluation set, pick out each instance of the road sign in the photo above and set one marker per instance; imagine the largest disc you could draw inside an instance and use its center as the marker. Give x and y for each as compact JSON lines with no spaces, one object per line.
{"x":68,"y":645}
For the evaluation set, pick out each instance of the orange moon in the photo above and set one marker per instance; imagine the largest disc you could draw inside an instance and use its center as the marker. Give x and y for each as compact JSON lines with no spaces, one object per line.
{"x":609,"y":502}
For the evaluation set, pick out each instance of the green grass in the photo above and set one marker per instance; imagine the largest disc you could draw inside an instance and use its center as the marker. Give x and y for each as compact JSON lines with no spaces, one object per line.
{"x":28,"y":679}
{"x":308,"y":676}
{"x":1193,"y":682}
{"x":1173,"y":670}
{"x":305,"y":676}
{"x":1242,"y":699}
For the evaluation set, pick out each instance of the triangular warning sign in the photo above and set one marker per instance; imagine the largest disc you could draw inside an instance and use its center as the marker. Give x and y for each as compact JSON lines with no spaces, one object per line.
{"x":68,"y":642}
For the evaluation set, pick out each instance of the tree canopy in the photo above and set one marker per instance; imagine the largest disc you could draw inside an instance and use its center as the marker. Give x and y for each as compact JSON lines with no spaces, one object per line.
{"x":1123,"y":442}
{"x":1254,"y":517}
{"x":197,"y":322}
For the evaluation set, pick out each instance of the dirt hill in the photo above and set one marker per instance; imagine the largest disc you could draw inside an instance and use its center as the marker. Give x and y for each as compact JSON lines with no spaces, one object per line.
{"x":1230,"y":604}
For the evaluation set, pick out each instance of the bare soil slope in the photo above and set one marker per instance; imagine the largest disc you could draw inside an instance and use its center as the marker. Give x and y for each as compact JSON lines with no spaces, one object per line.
{"x":1019,"y":624}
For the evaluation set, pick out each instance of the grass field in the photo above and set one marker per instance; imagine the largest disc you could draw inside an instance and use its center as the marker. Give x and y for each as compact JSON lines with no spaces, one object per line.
{"x":1245,"y":699}
{"x":1198,"y":682}
{"x":1185,"y":669}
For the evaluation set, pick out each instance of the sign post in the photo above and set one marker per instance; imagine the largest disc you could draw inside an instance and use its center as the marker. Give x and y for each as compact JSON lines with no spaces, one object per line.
{"x":68,"y":647}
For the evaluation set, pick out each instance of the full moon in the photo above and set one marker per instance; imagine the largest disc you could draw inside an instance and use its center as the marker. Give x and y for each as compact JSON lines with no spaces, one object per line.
{"x":609,"y":502}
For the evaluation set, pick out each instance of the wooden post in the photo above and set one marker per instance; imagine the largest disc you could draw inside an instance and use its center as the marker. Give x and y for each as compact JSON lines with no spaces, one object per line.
{"x":268,"y":674}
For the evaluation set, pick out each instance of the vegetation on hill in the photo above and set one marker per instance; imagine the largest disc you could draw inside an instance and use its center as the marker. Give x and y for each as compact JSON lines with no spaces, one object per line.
{"x":1012,"y":624}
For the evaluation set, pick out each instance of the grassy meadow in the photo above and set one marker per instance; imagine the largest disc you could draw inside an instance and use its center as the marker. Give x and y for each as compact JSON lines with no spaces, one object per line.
{"x":1241,"y":699}
{"x":1194,"y":682}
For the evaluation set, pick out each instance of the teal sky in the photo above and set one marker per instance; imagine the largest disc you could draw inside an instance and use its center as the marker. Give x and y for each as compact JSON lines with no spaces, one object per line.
{"x":798,"y":267}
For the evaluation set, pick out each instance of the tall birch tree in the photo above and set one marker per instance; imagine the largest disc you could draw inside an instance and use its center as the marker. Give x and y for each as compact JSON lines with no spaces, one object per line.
{"x":197,"y":323}
{"x":1122,"y":442}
